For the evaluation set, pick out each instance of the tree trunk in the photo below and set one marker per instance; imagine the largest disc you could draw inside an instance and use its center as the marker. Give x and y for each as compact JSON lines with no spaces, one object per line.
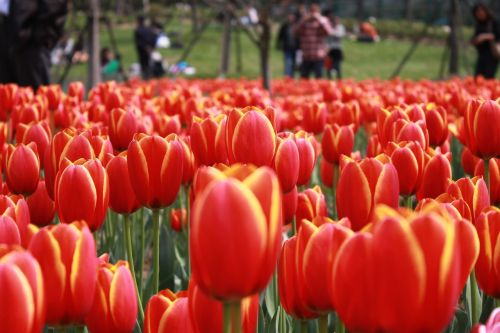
{"x":409,"y":10}
{"x":94,"y":66}
{"x":264,"y":48}
{"x":195,"y":24}
{"x":226,"y":45}
{"x":237,"y":42}
{"x":453,"y":38}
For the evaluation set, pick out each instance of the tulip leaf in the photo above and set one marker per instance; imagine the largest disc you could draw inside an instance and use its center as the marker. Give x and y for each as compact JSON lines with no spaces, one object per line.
{"x":488,"y":307}
{"x":270,"y":297}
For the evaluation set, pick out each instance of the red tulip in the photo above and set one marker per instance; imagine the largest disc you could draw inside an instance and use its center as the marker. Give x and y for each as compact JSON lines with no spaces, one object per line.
{"x":469,"y":161}
{"x":374,"y":183}
{"x":22,"y":305}
{"x":178,"y":219}
{"x":114,"y":309}
{"x":254,"y":241}
{"x":123,"y":125}
{"x":393,"y":277}
{"x":76,"y":89}
{"x":8,"y":94}
{"x":167,"y":312}
{"x":435,"y":178}
{"x":310,"y":203}
{"x":15,"y":208}
{"x":481,"y":119}
{"x":122,"y":199}
{"x":436,"y":121}
{"x":494,"y":178}
{"x":290,"y":201}
{"x":314,"y":117}
{"x":155,"y":169}
{"x":67,"y":256}
{"x":337,"y":141}
{"x":90,"y":201}
{"x":39,"y":133}
{"x":286,"y":163}
{"x":9,"y":231}
{"x":306,"y":144}
{"x":250,"y":137}
{"x":188,"y":164}
{"x":41,"y":206}
{"x":488,"y":262}
{"x":408,"y":159}
{"x":22,"y":168}
{"x":207,"y":313}
{"x":208,"y":140}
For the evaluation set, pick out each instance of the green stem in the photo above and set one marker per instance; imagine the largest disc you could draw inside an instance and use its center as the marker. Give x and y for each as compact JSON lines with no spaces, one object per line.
{"x":156,"y":250}
{"x":187,"y":230}
{"x":303,"y":326}
{"x":294,"y":226}
{"x":141,"y":253}
{"x":336,"y":169}
{"x":323,"y":324}
{"x":487,"y":174}
{"x":236,"y":316}
{"x":497,"y":303}
{"x":339,"y":326}
{"x":409,"y":201}
{"x":128,"y":246}
{"x":227,"y":317}
{"x":473,"y":292}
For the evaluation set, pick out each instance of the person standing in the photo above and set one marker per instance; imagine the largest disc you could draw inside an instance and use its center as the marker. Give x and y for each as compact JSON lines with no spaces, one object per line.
{"x":334,"y":44}
{"x":287,"y":44}
{"x":486,"y":34}
{"x":312,"y":31}
{"x":29,"y":30}
{"x":145,"y":42}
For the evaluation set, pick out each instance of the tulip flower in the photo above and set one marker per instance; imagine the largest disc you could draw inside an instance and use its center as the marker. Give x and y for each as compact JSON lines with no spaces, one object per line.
{"x":290,"y":201}
{"x":23,"y":301}
{"x":318,"y":247}
{"x":189,"y":163}
{"x":488,"y":262}
{"x":254,"y":241}
{"x":155,"y":169}
{"x":468,"y":161}
{"x":337,"y":141}
{"x":76,"y":89}
{"x":408,"y":159}
{"x":393,"y":277}
{"x":344,"y":114}
{"x":286,"y":163}
{"x":374,"y":183}
{"x":22,"y":168}
{"x":481,"y":119}
{"x":41,"y":206}
{"x":208,"y":140}
{"x":115,"y":302}
{"x":9,"y":232}
{"x":314,"y":117}
{"x":250,"y":137}
{"x":90,"y":202}
{"x":15,"y":208}
{"x":310,"y":203}
{"x":67,"y":257}
{"x":168,"y":312}
{"x":39,"y":133}
{"x":436,"y":121}
{"x":8,"y":94}
{"x":494,"y":175}
{"x":306,"y":144}
{"x":178,"y":219}
{"x":288,"y":282}
{"x":207,"y":313}
{"x":123,"y":125}
{"x":492,"y":325}
{"x":122,"y":199}
{"x":435,"y":178}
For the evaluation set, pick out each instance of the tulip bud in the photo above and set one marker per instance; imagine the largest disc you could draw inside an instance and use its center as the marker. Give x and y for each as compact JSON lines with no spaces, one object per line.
{"x":306,"y":144}
{"x":310,"y":203}
{"x":122,"y":199}
{"x":480,"y":120}
{"x":41,"y":206}
{"x":39,"y":133}
{"x":122,"y":127}
{"x":167,"y":312}
{"x":337,"y":141}
{"x":115,"y":302}
{"x":286,"y":163}
{"x":487,"y":272}
{"x":208,"y":140}
{"x":67,"y":257}
{"x":22,"y":168}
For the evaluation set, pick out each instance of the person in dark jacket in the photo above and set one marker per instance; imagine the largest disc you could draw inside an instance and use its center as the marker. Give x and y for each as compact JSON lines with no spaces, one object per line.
{"x":145,"y":41}
{"x":29,"y":29}
{"x":288,"y":44}
{"x":487,"y":31}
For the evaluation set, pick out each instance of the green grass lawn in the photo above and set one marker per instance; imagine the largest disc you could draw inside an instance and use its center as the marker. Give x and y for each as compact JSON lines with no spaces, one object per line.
{"x":361,"y":60}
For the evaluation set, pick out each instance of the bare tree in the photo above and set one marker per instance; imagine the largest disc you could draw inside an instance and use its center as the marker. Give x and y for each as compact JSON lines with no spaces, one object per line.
{"x":94,"y":68}
{"x":195,"y":22}
{"x":453,"y":37}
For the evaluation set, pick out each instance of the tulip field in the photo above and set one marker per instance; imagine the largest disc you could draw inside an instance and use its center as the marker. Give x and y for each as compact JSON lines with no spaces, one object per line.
{"x":214,"y":206}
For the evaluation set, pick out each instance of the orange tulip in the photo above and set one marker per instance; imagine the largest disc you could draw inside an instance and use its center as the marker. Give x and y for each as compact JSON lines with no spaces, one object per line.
{"x":337,"y":141}
{"x":22,"y":168}
{"x":319,"y":247}
{"x":481,"y":119}
{"x":114,"y":309}
{"x":207,"y":313}
{"x":22,"y":305}
{"x":253,"y":242}
{"x":288,"y":284}
{"x":155,"y":169}
{"x":90,"y":201}
{"x":39,"y":133}
{"x":310,"y":203}
{"x":208,"y":139}
{"x":362,"y":186}
{"x":286,"y":163}
{"x":250,"y":137}
{"x":41,"y":206}
{"x":122,"y":198}
{"x":393,"y":278}
{"x":67,"y":256}
{"x":488,"y":262}
{"x":167,"y":312}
